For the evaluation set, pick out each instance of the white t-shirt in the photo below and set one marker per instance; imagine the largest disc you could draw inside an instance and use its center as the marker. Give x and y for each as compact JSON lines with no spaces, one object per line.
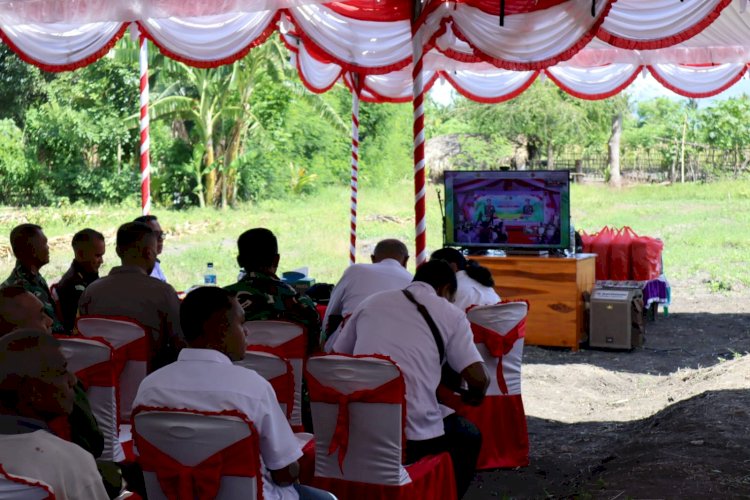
{"x":472,"y":293}
{"x":66,"y":467}
{"x":206,"y":380}
{"x":388,"y":323}
{"x":157,"y":273}
{"x":358,"y":282}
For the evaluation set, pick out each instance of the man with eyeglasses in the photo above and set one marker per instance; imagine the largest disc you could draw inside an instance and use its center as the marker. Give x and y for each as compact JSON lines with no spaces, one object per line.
{"x":152,"y":222}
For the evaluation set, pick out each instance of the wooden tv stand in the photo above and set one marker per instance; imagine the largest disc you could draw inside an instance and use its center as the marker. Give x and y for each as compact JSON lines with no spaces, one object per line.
{"x":553,"y":286}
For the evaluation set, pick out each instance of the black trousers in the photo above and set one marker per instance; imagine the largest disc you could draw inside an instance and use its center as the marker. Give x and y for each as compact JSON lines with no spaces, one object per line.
{"x":462,"y":440}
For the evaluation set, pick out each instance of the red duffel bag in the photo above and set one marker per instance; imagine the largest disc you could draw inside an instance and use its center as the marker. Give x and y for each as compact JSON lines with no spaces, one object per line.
{"x":586,"y":239}
{"x":619,"y":256}
{"x":600,"y":245}
{"x":646,"y":254}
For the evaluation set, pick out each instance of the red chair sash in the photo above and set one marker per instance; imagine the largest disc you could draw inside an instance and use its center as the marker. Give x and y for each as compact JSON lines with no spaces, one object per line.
{"x":295,"y":348}
{"x":99,"y":375}
{"x":283,"y":386}
{"x":392,"y":392}
{"x":203,"y":480}
{"x":499,"y":345}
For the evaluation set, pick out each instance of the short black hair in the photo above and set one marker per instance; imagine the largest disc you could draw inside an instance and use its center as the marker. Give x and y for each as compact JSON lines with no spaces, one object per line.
{"x":145,"y":218}
{"x":199,"y":305}
{"x":21,"y":234}
{"x":85,"y":236}
{"x":437,"y":273}
{"x":8,"y":294}
{"x":131,"y":233}
{"x":451,"y":256}
{"x":257,"y":248}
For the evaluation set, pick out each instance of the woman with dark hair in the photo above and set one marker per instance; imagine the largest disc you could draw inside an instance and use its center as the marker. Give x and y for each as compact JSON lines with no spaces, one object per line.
{"x":475,"y":283}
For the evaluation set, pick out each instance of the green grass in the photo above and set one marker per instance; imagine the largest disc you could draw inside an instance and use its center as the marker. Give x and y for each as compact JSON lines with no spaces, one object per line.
{"x":705,"y":228}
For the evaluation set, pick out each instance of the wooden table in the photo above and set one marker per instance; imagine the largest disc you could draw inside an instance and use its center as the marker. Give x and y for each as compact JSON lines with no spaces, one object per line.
{"x":554,"y":287}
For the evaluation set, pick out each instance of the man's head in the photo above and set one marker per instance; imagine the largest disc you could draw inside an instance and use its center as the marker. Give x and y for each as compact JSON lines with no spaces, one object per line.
{"x":20,"y":309}
{"x":29,"y":245}
{"x":439,"y":274}
{"x":136,"y":246}
{"x":34,"y":377}
{"x":390,"y":249}
{"x":258,"y":250}
{"x":212,"y":318}
{"x":452,"y":256}
{"x":152,"y":222}
{"x":89,"y":248}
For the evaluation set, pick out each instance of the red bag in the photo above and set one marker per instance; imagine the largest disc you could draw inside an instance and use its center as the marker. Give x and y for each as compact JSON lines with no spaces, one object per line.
{"x":619,"y":257}
{"x":646,"y":254}
{"x":586,"y":238}
{"x":600,"y":245}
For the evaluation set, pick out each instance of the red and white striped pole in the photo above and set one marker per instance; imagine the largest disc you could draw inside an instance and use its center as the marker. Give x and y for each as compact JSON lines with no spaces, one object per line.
{"x":418,"y":134}
{"x":355,"y":168}
{"x":145,"y":141}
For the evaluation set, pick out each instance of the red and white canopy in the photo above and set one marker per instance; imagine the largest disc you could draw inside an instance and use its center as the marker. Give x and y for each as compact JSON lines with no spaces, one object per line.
{"x":589,"y":48}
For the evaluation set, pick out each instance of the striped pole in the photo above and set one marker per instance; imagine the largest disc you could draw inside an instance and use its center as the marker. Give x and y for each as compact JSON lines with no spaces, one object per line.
{"x":145,"y":142}
{"x":355,"y":168}
{"x":418,"y":134}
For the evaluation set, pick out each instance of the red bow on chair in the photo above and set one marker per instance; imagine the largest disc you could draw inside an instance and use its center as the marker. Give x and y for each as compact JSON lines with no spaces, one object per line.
{"x":295,"y":348}
{"x":499,"y":345}
{"x":182,"y":482}
{"x":391,"y":392}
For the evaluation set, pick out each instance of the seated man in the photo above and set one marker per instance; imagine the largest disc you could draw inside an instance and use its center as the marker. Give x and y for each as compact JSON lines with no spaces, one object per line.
{"x":391,"y":323}
{"x":203,"y":378}
{"x":36,"y":387}
{"x":21,"y":310}
{"x":387,"y":272}
{"x":88,"y":249}
{"x":129,"y":292}
{"x":263,"y":295}
{"x":476,"y":287}
{"x":152,"y":222}
{"x":31,"y":250}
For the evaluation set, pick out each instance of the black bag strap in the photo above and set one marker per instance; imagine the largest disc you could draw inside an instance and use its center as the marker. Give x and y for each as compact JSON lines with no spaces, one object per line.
{"x":431,"y":323}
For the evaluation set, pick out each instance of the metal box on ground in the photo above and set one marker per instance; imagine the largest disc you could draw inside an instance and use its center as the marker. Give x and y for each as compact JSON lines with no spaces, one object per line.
{"x":612,"y":318}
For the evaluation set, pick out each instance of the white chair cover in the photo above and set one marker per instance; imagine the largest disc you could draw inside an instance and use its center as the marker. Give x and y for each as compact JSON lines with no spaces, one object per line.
{"x":375,"y":429}
{"x":501,"y":318}
{"x":13,"y":487}
{"x":83,"y":354}
{"x":289,"y":340}
{"x":191,"y":438}
{"x":267,"y":365}
{"x":121,"y":333}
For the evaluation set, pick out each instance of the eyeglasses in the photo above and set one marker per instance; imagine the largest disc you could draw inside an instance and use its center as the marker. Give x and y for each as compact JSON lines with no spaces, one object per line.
{"x":161,"y":235}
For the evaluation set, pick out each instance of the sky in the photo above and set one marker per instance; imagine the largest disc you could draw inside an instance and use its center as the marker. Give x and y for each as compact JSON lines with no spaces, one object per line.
{"x":641,"y":89}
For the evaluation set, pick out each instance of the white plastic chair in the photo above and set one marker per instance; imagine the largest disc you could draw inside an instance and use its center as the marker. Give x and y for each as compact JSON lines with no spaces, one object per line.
{"x":288,"y":341}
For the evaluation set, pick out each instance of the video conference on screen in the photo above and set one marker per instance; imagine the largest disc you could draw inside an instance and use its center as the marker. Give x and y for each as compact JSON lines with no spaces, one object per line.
{"x":502,"y":212}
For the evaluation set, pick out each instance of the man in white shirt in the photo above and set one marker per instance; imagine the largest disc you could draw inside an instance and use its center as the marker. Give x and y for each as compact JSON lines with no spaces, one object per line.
{"x":203,"y":378}
{"x":476,"y":287}
{"x":390,"y":323}
{"x":35,"y":388}
{"x":359,"y":281}
{"x":152,"y":222}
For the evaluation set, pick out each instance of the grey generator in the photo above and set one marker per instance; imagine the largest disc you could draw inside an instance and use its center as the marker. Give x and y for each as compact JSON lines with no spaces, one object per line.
{"x":612,"y":321}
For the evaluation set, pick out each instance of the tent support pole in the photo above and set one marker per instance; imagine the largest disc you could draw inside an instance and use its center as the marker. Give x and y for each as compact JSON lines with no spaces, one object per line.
{"x":356,"y":89}
{"x":145,"y":137}
{"x":418,"y":134}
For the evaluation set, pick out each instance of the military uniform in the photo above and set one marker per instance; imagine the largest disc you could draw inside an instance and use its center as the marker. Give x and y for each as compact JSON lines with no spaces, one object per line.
{"x":265,"y":297}
{"x":35,"y":285}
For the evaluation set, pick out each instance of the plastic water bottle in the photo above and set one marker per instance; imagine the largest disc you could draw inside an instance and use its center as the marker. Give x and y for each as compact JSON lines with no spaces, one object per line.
{"x":572,"y":248}
{"x":210,"y":277}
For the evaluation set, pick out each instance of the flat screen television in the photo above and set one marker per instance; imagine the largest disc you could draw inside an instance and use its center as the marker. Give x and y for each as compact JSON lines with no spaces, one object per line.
{"x":508,"y":209}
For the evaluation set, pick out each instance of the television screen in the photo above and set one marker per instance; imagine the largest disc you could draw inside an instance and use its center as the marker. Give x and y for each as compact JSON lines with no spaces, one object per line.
{"x":518,"y":209}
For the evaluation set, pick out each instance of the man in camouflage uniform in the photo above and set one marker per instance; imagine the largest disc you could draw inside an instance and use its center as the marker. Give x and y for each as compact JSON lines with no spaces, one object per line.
{"x":30,"y":248}
{"x":263,"y":295}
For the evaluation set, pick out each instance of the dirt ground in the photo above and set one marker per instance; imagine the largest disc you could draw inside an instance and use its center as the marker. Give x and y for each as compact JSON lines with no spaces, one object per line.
{"x":668,"y":420}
